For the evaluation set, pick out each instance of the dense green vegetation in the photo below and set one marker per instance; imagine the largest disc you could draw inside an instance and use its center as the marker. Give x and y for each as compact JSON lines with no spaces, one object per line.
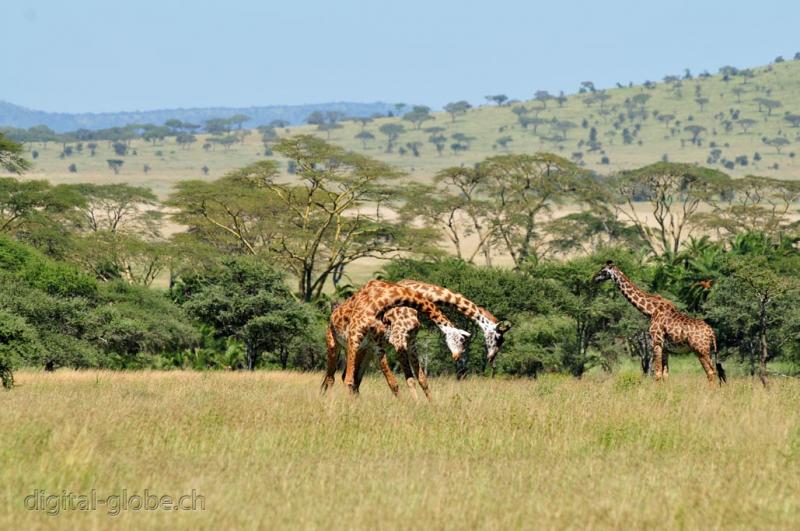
{"x":79,"y":262}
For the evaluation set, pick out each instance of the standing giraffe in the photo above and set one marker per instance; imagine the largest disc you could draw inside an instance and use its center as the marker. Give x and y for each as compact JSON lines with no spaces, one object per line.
{"x":666,"y":322}
{"x":360,"y":320}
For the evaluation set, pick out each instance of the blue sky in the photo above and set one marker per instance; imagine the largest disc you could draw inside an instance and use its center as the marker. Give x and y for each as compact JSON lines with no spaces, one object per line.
{"x":87,"y":55}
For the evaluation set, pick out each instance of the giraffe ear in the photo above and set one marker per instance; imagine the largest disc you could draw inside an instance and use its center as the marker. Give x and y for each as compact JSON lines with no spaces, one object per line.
{"x":503,"y":326}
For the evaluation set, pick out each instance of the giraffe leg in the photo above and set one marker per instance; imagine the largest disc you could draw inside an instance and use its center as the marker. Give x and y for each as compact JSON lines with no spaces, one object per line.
{"x":353,"y":344}
{"x":658,"y":345}
{"x":417,"y":368}
{"x":387,"y":371}
{"x":665,"y":365}
{"x":704,"y":356}
{"x":402,"y":357}
{"x":362,"y":361}
{"x":332,"y":362}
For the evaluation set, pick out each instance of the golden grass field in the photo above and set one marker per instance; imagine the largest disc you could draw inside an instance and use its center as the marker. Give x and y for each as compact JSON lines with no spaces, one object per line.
{"x":611,"y":451}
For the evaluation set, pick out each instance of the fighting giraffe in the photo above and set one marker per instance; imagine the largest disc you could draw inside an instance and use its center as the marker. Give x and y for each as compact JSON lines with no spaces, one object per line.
{"x":403,"y":324}
{"x":666,"y":322}
{"x":361,"y":320}
{"x":399,"y":328}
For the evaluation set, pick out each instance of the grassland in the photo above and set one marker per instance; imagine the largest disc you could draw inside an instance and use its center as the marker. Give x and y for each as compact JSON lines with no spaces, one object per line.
{"x":265,"y":451}
{"x":781,"y":82}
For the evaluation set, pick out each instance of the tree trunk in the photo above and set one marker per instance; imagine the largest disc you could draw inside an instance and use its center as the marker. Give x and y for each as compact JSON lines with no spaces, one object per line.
{"x":762,"y":343}
{"x":284,"y":357}
{"x":250,"y":358}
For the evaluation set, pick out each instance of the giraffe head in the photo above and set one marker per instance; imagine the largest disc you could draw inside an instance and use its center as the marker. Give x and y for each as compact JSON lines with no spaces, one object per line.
{"x":493,"y":338}
{"x":456,"y":341}
{"x":608,"y":272}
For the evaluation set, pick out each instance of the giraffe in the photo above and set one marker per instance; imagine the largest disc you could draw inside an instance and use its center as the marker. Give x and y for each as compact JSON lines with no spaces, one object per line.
{"x":399,"y":328}
{"x":403,"y":324}
{"x":361,"y":320}
{"x":666,"y":322}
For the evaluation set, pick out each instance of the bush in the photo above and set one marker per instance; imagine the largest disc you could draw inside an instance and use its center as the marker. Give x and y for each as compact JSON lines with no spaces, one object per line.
{"x":18,"y":341}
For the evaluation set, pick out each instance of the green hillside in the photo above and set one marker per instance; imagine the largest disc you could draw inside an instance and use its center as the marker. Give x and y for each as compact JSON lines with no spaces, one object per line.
{"x":734,"y":111}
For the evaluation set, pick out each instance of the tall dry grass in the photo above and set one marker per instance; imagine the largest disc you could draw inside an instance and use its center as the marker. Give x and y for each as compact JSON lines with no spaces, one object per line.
{"x":266,"y":451}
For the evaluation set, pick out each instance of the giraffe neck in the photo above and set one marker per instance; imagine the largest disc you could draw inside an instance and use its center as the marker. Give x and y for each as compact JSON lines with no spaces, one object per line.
{"x":639,"y":298}
{"x":437,"y":294}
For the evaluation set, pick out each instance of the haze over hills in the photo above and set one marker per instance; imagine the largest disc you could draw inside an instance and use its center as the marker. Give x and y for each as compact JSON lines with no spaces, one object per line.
{"x":12,"y":115}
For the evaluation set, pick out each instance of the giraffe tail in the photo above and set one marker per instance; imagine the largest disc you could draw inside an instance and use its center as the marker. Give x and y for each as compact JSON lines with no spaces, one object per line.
{"x":720,"y":369}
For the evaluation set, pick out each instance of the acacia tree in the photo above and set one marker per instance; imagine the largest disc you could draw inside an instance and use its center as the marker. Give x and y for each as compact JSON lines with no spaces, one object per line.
{"x":456,"y":108}
{"x":673,"y":193}
{"x":364,"y":136}
{"x":26,"y":206}
{"x":754,"y":301}
{"x":11,"y":158}
{"x":118,"y":233}
{"x":778,"y":142}
{"x":746,"y":123}
{"x":117,"y":208}
{"x":522,"y":189}
{"x":468,"y":185}
{"x":756,"y":203}
{"x":392,"y":132}
{"x":499,"y":99}
{"x":437,"y":209}
{"x":418,"y":115}
{"x":314,"y":228}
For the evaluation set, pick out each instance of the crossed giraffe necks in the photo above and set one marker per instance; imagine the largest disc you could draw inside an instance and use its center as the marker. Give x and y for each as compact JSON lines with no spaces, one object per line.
{"x":466,"y":307}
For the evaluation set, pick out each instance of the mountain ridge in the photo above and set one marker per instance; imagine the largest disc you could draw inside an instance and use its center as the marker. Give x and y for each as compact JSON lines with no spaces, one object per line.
{"x":12,"y":115}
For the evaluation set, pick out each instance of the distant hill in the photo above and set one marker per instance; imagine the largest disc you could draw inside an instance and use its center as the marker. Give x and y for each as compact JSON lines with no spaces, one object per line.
{"x":16,"y":116}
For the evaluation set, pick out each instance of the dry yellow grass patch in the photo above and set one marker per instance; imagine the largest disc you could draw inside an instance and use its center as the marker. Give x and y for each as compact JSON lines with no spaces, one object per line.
{"x":266,"y":451}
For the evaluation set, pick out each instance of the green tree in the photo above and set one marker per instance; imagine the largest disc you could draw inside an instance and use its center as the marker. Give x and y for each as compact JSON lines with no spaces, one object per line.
{"x":499,"y":99}
{"x":185,"y":140}
{"x":239,"y":120}
{"x":364,"y":136}
{"x":522,"y":189}
{"x":673,"y":194}
{"x":248,"y":300}
{"x":418,"y":115}
{"x":392,"y":132}
{"x":11,"y":158}
{"x":456,"y":108}
{"x":754,"y":301}
{"x":314,"y":227}
{"x":696,"y":131}
{"x":777,"y":142}
{"x":28,"y":206}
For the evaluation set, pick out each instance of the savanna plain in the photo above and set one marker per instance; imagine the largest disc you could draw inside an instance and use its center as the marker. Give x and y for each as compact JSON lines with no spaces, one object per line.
{"x":266,"y":451}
